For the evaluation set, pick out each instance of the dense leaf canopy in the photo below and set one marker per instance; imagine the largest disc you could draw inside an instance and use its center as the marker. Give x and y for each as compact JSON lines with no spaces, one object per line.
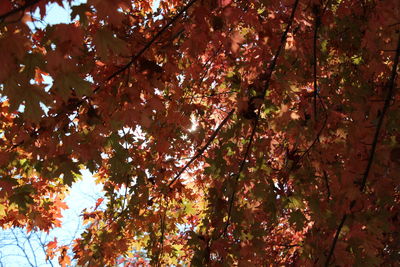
{"x":225,"y":133}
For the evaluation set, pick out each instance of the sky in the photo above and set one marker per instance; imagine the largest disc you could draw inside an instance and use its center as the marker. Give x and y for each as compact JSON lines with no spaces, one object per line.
{"x":83,"y":194}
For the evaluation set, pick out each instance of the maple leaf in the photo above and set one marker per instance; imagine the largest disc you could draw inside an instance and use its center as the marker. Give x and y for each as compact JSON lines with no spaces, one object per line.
{"x":106,"y":41}
{"x":82,"y":11}
{"x":29,"y":95}
{"x":23,"y":196}
{"x":298,"y":219}
{"x":294,"y":160}
{"x":50,"y":250}
{"x":67,"y":83}
{"x":64,"y":259}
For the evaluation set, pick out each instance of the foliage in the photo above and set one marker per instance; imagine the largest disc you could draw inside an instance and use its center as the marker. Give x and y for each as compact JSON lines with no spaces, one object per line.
{"x":224,"y":132}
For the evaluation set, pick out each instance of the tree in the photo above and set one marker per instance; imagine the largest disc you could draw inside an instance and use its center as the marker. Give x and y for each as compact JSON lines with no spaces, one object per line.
{"x":35,"y":248}
{"x":224,"y":132}
{"x":25,"y":249}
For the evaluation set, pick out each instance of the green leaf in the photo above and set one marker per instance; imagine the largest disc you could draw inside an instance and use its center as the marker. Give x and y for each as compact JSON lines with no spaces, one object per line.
{"x":295,"y":202}
{"x":22,"y":196}
{"x":70,"y":176}
{"x":31,"y":62}
{"x":28,"y":94}
{"x":68,"y":169}
{"x":189,"y":210}
{"x":2,"y":211}
{"x":71,"y":81}
{"x":105,"y":42}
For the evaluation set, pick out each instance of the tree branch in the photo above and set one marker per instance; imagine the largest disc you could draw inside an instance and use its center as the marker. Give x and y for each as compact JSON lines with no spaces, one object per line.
{"x":271,"y":67}
{"x":202,"y":150}
{"x":122,"y":69}
{"x":43,"y":247}
{"x":163,"y":225}
{"x":389,"y":95}
{"x":315,"y":61}
{"x":241,"y":167}
{"x":318,"y":134}
{"x":148,"y":44}
{"x":21,"y":8}
{"x":335,"y":239}
{"x":327,"y":184}
{"x":270,"y":70}
{"x":22,"y":248}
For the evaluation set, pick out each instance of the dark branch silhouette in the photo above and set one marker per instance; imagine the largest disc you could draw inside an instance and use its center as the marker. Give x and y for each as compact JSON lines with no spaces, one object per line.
{"x":270,"y":70}
{"x":201,"y":150}
{"x":389,"y":95}
{"x":326,"y":179}
{"x":148,"y":44}
{"x":19,"y":9}
{"x":315,"y":60}
{"x":120,"y":70}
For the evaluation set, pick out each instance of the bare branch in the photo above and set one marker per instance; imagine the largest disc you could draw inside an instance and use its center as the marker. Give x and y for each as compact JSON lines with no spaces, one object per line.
{"x":22,"y":248}
{"x":43,"y":247}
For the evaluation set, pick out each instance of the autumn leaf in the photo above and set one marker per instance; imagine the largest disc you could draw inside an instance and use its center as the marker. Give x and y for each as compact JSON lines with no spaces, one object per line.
{"x":239,"y":133}
{"x":106,"y":42}
{"x":82,"y":12}
{"x":50,"y":250}
{"x":28,"y":95}
{"x":68,"y":83}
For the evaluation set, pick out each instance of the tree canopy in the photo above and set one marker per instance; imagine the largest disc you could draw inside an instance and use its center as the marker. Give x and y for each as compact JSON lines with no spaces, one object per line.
{"x":224,"y":132}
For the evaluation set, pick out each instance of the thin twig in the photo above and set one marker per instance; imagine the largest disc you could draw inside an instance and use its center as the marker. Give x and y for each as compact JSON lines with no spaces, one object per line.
{"x":315,"y":61}
{"x":123,"y":68}
{"x":22,"y":248}
{"x":318,"y":134}
{"x":390,"y":92}
{"x":237,"y":176}
{"x":163,"y":225}
{"x":206,"y":66}
{"x":127,"y":177}
{"x":335,"y":239}
{"x":147,"y":46}
{"x":198,"y":154}
{"x":201,"y":150}
{"x":394,"y":24}
{"x":43,"y":246}
{"x":209,"y":96}
{"x":327,"y":184}
{"x":28,"y":238}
